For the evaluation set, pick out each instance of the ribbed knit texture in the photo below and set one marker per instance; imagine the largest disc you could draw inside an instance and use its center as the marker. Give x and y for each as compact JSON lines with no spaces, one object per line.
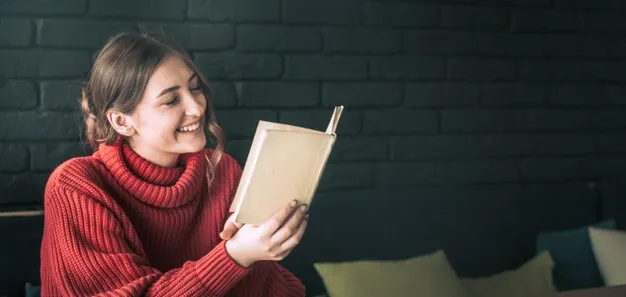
{"x":118,"y":225}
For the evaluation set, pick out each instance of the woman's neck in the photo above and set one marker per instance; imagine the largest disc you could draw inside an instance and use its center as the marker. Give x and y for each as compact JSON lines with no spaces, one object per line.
{"x":157,"y":157}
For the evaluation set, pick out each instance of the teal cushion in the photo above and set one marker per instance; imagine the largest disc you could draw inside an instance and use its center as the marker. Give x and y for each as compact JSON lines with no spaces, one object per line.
{"x":575,"y":265}
{"x":32,"y":290}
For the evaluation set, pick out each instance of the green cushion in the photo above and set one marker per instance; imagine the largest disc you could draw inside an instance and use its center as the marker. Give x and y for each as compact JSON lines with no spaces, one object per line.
{"x":609,"y":247}
{"x":533,"y":278}
{"x":575,"y":264}
{"x":427,"y":275}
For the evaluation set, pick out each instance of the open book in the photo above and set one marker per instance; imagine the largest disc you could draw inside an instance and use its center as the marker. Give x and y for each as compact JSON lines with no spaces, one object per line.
{"x":285,"y":162}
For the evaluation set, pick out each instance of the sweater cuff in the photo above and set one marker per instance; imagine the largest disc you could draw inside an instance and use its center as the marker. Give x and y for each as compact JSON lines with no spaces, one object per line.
{"x":218,"y":271}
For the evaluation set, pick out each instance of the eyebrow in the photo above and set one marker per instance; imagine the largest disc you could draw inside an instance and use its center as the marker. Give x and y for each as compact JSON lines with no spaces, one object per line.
{"x":174,"y":88}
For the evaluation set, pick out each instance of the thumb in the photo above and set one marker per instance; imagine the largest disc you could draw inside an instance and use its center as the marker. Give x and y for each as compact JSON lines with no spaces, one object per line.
{"x":230,"y":228}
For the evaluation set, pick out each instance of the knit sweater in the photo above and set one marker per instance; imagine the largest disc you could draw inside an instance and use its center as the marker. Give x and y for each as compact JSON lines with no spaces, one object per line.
{"x":116,"y":224}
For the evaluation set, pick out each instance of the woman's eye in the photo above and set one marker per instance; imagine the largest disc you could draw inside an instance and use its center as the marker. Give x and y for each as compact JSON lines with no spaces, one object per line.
{"x":172,"y":102}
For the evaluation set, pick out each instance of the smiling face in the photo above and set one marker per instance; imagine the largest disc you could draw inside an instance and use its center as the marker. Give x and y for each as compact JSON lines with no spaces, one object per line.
{"x":170,"y":117}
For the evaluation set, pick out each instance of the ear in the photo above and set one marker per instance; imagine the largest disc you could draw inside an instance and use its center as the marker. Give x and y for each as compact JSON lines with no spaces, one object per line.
{"x":122,"y":123}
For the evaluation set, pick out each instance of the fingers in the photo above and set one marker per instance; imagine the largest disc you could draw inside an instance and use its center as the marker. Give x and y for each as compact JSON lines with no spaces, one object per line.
{"x":290,"y":227}
{"x":293,"y":241}
{"x":278,"y":219}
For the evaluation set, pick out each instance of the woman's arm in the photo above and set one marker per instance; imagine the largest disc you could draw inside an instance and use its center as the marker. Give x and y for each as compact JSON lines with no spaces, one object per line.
{"x":85,"y":252}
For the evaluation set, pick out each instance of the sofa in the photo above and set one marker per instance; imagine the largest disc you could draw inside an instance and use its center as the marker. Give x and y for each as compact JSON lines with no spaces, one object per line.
{"x":483,"y":229}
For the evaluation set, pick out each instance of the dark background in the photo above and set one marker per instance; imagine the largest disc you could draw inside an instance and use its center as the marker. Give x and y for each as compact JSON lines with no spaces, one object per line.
{"x":445,"y":93}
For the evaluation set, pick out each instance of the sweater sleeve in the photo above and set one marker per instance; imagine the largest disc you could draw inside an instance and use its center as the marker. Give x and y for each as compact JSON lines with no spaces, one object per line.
{"x":283,"y":283}
{"x":85,"y":252}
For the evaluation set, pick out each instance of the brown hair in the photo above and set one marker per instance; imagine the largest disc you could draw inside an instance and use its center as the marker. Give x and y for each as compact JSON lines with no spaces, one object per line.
{"x":118,"y":80}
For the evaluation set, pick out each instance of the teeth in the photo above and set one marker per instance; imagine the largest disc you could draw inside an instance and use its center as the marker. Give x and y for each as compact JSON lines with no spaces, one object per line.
{"x":189,"y":128}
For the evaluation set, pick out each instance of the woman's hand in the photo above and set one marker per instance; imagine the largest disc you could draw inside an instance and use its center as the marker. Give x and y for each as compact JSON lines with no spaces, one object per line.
{"x":272,"y":240}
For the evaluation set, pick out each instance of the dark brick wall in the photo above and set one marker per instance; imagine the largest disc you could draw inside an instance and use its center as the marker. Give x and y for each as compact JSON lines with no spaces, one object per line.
{"x":445,"y":92}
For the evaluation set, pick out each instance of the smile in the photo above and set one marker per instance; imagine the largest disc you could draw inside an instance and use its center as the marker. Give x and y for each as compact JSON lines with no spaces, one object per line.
{"x":189,"y":128}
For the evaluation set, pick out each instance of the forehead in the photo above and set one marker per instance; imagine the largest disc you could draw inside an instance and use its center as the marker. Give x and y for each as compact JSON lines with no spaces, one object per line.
{"x":171,"y":72}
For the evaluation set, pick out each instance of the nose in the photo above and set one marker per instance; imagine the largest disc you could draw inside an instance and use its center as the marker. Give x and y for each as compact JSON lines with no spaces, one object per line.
{"x":193,"y":106}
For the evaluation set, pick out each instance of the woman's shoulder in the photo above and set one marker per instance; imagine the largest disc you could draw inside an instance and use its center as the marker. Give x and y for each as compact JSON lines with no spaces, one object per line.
{"x":76,"y":173}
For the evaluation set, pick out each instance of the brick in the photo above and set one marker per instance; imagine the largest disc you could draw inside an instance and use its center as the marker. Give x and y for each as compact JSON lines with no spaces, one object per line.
{"x":438,"y":42}
{"x":361,"y":94}
{"x":441,"y":94}
{"x":39,"y":7}
{"x":585,"y":95}
{"x":400,"y":14}
{"x":612,"y":71}
{"x":238,"y":65}
{"x":18,"y":63}
{"x":610,"y":142}
{"x":361,"y":40}
{"x":359,"y":149}
{"x":507,"y":44}
{"x":474,"y":17}
{"x":583,"y":4}
{"x":278,"y":38}
{"x":501,"y":145}
{"x":538,"y":20}
{"x":608,"y":120}
{"x":538,"y":3}
{"x":483,"y":171}
{"x":609,"y":167}
{"x":195,"y":36}
{"x":406,"y":67}
{"x":46,"y":157}
{"x":239,"y":149}
{"x":15,"y":32}
{"x":60,"y":95}
{"x":400,"y":121}
{"x":411,"y":174}
{"x":153,"y":9}
{"x":448,"y":147}
{"x":22,"y":188}
{"x":314,"y":67}
{"x":77,"y":33}
{"x":478,"y":69}
{"x":430,"y":147}
{"x":13,"y":157}
{"x":347,"y":175}
{"x":555,"y":169}
{"x":234,"y":10}
{"x":602,"y":22}
{"x":321,"y":12}
{"x":224,"y":94}
{"x":28,"y":126}
{"x":513,"y":94}
{"x":549,"y":70}
{"x":618,"y":48}
{"x":17,"y":94}
{"x":243,"y":123}
{"x":278,"y":94}
{"x":563,"y":144}
{"x":350,"y":123}
{"x":64,"y":63}
{"x":514,"y":120}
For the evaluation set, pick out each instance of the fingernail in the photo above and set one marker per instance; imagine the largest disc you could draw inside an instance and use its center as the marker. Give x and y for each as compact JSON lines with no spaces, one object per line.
{"x":293,"y":203}
{"x":303,"y":208}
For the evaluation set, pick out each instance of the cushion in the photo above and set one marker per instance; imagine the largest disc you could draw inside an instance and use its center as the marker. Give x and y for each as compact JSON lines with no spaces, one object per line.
{"x":426,"y":275}
{"x":575,"y":265}
{"x":609,"y":247}
{"x":533,"y":278}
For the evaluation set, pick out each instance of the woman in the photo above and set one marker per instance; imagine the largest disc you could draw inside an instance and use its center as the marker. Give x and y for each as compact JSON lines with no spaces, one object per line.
{"x":147,"y":213}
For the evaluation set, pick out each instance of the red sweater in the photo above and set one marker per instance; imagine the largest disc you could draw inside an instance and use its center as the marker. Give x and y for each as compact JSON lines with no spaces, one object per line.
{"x":118,"y":225}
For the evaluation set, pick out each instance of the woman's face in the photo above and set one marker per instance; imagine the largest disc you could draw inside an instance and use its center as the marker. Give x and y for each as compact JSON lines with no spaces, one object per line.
{"x":169,"y":120}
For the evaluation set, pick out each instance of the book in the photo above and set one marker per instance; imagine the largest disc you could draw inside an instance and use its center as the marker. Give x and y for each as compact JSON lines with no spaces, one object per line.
{"x":285,"y":162}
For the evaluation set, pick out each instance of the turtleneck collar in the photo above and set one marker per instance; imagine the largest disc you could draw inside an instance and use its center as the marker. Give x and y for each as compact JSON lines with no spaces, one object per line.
{"x":153,"y":184}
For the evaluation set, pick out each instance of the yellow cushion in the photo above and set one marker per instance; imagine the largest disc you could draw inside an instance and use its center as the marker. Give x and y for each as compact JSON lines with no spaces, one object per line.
{"x":533,"y":278}
{"x":609,"y":248}
{"x":427,"y":275}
